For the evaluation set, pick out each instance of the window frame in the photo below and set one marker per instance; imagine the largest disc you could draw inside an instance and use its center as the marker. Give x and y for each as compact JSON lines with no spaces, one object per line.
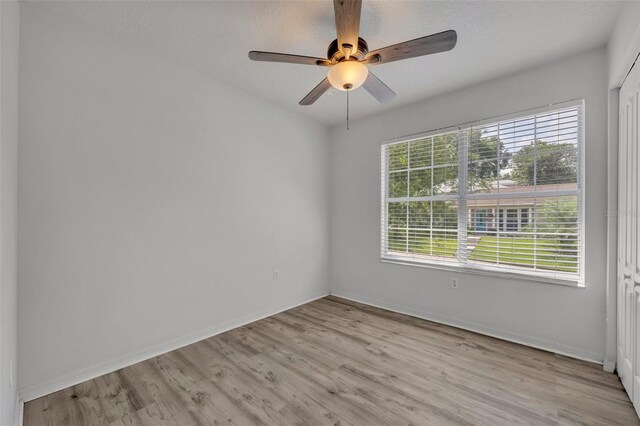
{"x":552,"y":277}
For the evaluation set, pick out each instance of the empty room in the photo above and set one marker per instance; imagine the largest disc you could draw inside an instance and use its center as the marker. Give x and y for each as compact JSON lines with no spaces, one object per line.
{"x":317,"y":212}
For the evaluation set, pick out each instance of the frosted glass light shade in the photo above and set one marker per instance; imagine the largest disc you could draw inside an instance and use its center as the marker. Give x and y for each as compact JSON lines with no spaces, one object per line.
{"x":347,"y":73}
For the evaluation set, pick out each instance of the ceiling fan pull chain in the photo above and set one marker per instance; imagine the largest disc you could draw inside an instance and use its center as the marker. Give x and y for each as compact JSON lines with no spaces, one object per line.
{"x":347,"y":110}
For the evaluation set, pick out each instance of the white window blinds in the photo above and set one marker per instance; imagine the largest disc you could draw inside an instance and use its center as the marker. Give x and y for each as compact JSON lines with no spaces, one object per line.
{"x":501,"y":196}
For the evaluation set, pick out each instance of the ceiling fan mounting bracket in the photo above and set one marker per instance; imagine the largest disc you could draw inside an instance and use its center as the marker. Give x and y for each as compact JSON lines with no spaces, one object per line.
{"x":335,"y":55}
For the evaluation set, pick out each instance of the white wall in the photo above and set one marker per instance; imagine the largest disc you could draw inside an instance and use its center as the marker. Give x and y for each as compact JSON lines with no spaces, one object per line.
{"x":154,"y":205}
{"x":624,"y":43}
{"x":562,"y":318}
{"x":9,"y":21}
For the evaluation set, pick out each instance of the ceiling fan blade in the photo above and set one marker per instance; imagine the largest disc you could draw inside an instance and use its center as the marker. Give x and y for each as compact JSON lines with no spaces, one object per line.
{"x":347,"y":23}
{"x":434,"y":43}
{"x":316,"y":92}
{"x":256,"y":55}
{"x":378,"y":89}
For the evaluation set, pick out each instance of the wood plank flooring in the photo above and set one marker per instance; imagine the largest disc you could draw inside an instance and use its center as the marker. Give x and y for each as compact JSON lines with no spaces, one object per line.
{"x":337,"y":362}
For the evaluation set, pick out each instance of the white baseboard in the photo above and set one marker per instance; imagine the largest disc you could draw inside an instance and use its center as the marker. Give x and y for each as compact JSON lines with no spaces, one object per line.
{"x":531,"y":341}
{"x":609,"y":366}
{"x":37,"y":391}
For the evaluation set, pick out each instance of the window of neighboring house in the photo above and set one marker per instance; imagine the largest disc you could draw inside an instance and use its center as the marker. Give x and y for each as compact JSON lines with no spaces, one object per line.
{"x":512,"y":220}
{"x":524,"y":217}
{"x":502,"y":196}
{"x":481,"y":220}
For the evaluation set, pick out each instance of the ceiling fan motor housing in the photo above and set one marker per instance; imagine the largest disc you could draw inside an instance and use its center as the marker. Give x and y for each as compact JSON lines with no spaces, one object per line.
{"x":335,"y":55}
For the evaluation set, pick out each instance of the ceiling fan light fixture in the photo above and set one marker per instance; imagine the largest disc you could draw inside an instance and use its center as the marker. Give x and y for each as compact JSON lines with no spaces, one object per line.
{"x":347,"y":75}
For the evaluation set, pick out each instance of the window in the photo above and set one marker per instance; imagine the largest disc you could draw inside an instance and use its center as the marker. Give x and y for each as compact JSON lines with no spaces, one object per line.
{"x":524,"y":217}
{"x":512,"y":219}
{"x":501,"y":196}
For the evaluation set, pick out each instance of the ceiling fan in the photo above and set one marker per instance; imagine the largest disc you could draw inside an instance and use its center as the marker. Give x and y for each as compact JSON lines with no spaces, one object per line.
{"x":348,"y":57}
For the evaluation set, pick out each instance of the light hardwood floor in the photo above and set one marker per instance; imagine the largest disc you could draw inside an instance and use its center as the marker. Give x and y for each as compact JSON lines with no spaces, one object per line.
{"x":333,"y":361}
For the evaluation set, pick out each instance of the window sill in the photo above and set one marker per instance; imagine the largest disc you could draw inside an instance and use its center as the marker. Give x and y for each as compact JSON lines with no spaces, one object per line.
{"x":473,"y":270}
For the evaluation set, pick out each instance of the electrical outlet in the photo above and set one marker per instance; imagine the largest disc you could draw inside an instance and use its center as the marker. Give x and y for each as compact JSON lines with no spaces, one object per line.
{"x":454,"y":283}
{"x":276,"y":274}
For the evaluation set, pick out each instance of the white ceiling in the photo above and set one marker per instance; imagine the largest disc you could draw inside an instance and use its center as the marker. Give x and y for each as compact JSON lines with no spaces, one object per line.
{"x":494,"y":38}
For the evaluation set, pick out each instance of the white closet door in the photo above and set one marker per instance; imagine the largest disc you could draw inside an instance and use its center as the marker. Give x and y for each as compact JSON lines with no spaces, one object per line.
{"x":628,"y":229}
{"x":631,"y":90}
{"x":626,"y":331}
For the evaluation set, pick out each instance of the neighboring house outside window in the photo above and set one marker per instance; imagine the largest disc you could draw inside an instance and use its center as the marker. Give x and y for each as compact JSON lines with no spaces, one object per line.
{"x":511,"y":214}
